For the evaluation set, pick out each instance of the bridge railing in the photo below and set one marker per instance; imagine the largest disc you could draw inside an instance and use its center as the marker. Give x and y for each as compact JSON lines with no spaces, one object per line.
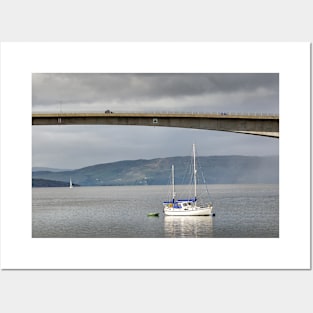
{"x":166,"y":112}
{"x":213,"y":113}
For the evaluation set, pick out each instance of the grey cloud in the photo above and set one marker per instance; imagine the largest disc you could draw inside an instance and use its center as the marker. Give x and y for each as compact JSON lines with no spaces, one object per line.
{"x":51,"y":89}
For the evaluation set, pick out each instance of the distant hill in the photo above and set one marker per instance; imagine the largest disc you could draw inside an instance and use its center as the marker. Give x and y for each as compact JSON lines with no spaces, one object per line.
{"x":216,"y":170}
{"x":40,"y":169}
{"x":38,"y":182}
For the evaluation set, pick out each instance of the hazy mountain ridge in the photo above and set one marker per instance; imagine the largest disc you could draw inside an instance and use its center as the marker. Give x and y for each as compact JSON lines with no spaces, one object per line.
{"x":39,"y":182}
{"x":49,"y":169}
{"x":216,"y":170}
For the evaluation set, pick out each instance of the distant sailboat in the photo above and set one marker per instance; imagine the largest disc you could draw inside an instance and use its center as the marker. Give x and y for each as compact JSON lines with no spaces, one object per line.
{"x":71,"y":184}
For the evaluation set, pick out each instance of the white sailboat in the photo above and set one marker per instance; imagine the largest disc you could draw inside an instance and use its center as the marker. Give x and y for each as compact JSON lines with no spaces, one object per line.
{"x":187,"y":206}
{"x":71,"y":184}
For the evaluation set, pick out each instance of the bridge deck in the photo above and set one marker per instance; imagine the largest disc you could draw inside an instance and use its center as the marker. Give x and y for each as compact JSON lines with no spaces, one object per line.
{"x":254,"y":124}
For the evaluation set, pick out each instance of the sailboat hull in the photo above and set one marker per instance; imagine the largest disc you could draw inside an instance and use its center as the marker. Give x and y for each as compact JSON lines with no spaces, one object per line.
{"x":189,"y":212}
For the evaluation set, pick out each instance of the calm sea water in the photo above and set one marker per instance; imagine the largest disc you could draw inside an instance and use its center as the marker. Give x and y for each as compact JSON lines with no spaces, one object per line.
{"x":242,"y":211}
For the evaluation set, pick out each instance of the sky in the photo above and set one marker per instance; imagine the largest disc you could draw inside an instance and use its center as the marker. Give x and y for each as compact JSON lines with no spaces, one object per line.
{"x":72,"y":147}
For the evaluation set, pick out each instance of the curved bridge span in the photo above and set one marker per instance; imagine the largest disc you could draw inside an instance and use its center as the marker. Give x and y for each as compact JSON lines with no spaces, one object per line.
{"x":261,"y":125}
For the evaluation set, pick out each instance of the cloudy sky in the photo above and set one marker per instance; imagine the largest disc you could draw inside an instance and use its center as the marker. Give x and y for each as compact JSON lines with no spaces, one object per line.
{"x":78,"y":146}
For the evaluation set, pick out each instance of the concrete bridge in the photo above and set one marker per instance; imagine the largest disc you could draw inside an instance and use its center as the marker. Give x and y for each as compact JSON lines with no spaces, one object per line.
{"x":258,"y":124}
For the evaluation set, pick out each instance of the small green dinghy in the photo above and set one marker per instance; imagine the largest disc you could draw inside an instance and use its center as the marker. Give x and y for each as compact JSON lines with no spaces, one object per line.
{"x":153,"y":214}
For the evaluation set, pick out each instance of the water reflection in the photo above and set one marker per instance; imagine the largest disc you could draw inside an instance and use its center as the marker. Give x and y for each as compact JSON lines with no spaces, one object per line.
{"x":188,"y":226}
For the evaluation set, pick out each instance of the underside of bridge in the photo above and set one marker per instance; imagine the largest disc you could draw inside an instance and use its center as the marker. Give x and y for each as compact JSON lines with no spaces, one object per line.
{"x":261,"y":125}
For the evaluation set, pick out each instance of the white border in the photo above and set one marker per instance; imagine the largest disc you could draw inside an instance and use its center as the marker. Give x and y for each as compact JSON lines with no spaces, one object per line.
{"x":290,"y":251}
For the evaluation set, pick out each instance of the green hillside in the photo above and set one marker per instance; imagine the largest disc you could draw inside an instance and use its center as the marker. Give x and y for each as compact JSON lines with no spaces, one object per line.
{"x":215,"y":169}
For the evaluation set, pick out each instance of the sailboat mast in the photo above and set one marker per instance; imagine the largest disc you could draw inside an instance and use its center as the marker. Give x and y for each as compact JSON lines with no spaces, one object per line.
{"x":194,"y":169}
{"x":173,"y":183}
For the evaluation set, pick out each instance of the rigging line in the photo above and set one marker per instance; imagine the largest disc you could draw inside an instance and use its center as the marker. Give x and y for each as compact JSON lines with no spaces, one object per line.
{"x":185,"y":183}
{"x":202,"y":174}
{"x":204,"y":181}
{"x":185,"y":173}
{"x":188,"y":173}
{"x":169,"y":187}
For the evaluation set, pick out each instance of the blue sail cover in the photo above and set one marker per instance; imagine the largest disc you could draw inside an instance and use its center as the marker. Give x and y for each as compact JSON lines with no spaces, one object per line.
{"x":176,"y":203}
